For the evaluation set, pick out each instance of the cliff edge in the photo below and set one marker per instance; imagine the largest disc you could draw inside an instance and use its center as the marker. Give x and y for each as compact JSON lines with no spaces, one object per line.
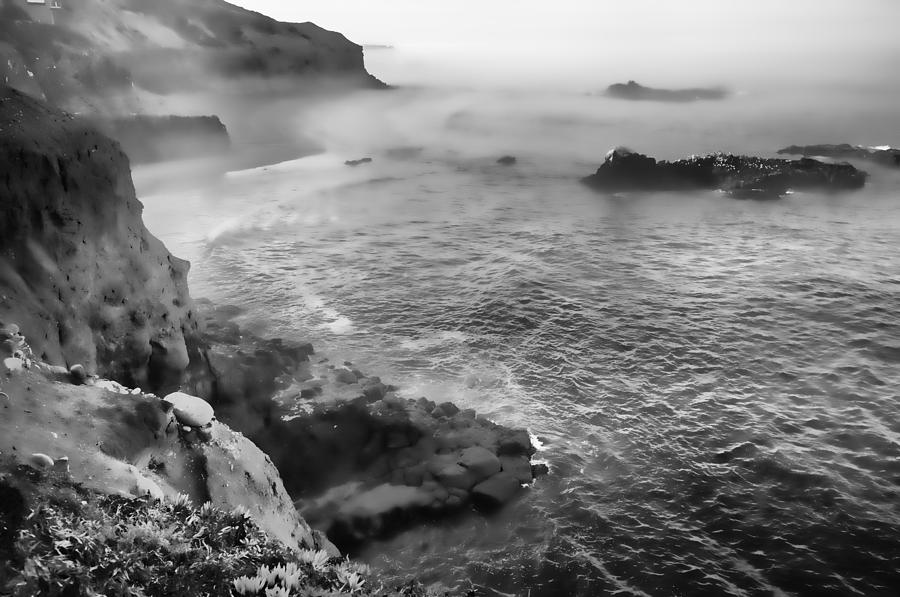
{"x":78,"y":269}
{"x":122,"y":56}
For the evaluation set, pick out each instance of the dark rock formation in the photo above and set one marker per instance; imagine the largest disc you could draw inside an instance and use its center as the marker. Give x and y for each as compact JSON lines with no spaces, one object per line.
{"x":390,"y":461}
{"x":148,"y":139}
{"x":507,"y":160}
{"x":740,"y":176}
{"x":105,"y":56}
{"x":635,"y":91}
{"x":358,"y":162}
{"x":886,"y":156}
{"x":78,"y":269}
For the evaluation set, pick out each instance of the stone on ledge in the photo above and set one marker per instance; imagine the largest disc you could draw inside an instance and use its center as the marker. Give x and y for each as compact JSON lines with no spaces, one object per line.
{"x":190,"y":410}
{"x":480,"y":462}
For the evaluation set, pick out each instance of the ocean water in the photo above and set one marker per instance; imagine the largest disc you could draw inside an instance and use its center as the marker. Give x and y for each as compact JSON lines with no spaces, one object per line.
{"x":714,"y":383}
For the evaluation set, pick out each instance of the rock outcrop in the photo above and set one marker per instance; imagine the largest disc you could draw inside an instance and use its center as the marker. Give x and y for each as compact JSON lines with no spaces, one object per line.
{"x":739,"y":176}
{"x":884,"y":155}
{"x":78,"y":269}
{"x":635,"y":91}
{"x":125,"y":442}
{"x":372,"y":463}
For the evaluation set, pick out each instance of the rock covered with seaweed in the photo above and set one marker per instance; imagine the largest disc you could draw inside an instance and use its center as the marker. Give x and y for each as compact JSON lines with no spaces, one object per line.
{"x":739,"y":176}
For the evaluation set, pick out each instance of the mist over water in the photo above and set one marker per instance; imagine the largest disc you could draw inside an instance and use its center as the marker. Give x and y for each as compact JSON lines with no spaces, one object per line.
{"x":713,"y":381}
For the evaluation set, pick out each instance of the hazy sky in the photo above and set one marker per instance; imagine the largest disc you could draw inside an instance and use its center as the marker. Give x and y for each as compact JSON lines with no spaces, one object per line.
{"x":702,"y":36}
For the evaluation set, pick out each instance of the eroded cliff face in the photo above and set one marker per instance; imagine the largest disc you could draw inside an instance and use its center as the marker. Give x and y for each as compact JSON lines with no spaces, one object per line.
{"x":78,"y":269}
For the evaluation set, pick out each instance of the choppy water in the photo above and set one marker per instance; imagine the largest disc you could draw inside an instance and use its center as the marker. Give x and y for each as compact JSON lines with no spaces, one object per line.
{"x":714,"y":381}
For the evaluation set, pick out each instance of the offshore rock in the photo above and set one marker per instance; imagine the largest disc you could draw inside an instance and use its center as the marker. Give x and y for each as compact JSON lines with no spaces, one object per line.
{"x":740,"y":176}
{"x":884,"y":155}
{"x":635,"y":91}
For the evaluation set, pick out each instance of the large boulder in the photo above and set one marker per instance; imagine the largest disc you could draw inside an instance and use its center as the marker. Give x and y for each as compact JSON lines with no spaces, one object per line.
{"x":740,"y":176}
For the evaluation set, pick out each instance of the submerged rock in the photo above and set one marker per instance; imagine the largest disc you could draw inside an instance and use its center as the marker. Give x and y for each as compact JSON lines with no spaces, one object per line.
{"x":884,"y":155}
{"x":635,"y":91}
{"x":507,"y":160}
{"x":357,"y":162}
{"x":740,"y":176}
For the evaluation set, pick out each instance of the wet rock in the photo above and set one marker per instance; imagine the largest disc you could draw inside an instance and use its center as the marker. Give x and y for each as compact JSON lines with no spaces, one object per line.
{"x":740,"y":176}
{"x":190,"y":410}
{"x":61,"y":465}
{"x":517,"y":466}
{"x":445,"y":409}
{"x":539,"y":470}
{"x":357,"y":162}
{"x":515,"y":442}
{"x":344,"y":375}
{"x":455,"y":476}
{"x":496,"y":491}
{"x":507,"y":160}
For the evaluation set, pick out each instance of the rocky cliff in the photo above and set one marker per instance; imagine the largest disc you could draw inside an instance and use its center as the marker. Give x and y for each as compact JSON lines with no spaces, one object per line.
{"x":122,"y":56}
{"x":78,"y":269}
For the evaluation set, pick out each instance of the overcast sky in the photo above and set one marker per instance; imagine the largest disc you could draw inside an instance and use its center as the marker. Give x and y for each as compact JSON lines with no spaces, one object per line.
{"x":708,"y":35}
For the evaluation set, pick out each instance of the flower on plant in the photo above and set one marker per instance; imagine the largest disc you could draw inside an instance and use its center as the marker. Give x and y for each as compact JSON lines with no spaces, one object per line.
{"x":245,"y":585}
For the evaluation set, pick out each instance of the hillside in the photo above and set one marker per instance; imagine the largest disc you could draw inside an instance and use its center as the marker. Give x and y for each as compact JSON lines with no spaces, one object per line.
{"x":125,"y":56}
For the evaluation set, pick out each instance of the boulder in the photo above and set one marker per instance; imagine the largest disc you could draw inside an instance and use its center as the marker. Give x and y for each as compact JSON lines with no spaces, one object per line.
{"x":480,"y":462}
{"x":517,"y":466}
{"x":495,"y":491}
{"x":507,"y":160}
{"x":190,"y":410}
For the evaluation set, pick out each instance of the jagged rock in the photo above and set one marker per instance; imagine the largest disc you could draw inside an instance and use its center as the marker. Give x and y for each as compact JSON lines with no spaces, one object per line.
{"x":884,"y":155}
{"x":496,"y":491}
{"x":190,"y":410}
{"x":635,"y":91}
{"x":741,"y":176}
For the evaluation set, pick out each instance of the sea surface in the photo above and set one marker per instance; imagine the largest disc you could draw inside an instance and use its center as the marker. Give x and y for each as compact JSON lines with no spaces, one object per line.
{"x":714,"y":383}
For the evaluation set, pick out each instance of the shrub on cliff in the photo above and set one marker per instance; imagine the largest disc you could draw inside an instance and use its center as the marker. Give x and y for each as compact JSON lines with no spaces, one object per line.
{"x":77,"y":543}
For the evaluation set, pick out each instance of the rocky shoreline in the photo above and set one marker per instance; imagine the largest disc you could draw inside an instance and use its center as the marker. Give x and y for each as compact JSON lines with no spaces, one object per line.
{"x":97,"y":323}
